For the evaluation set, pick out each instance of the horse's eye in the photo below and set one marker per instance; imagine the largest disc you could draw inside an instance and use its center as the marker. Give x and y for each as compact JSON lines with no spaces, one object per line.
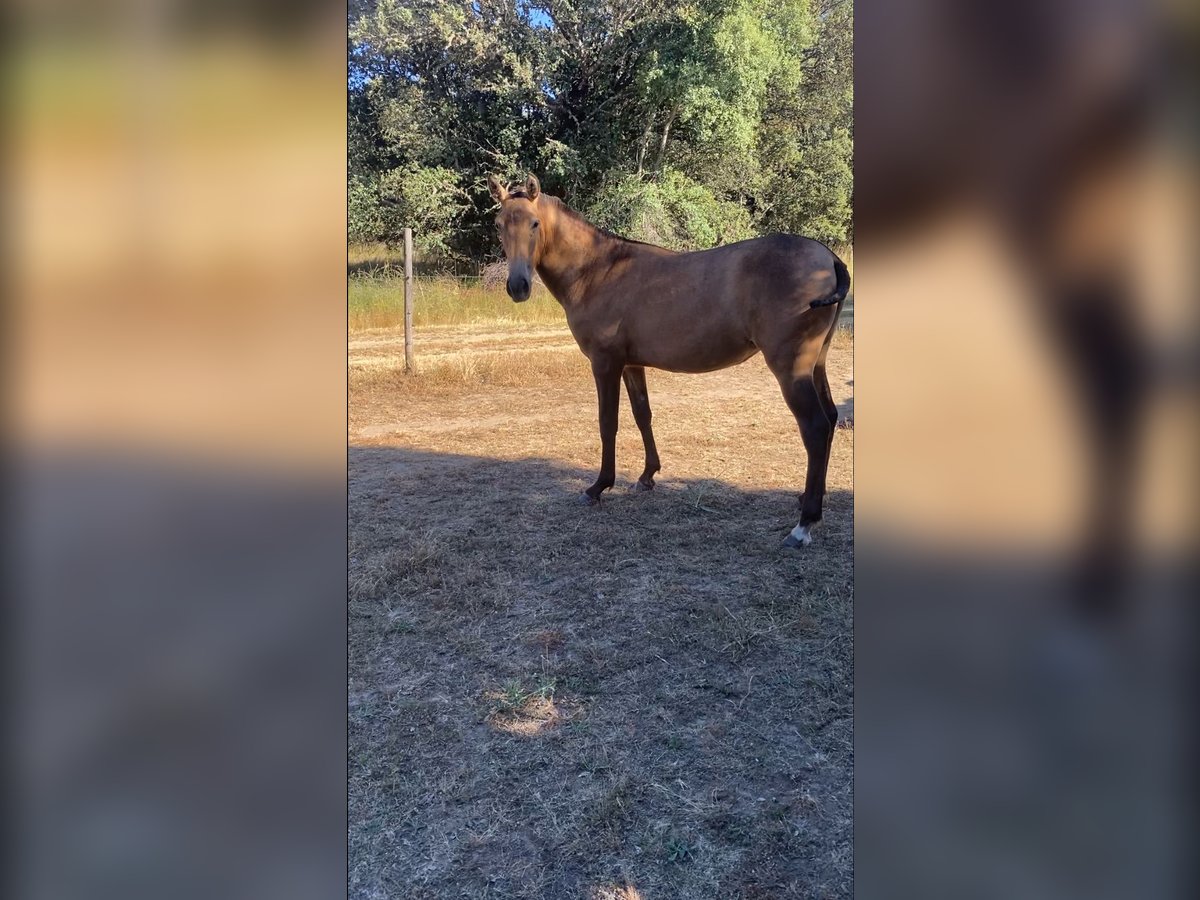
{"x":535,"y":223}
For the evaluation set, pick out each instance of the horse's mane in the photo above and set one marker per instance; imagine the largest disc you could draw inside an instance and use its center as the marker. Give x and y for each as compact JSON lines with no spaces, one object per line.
{"x":579,"y":217}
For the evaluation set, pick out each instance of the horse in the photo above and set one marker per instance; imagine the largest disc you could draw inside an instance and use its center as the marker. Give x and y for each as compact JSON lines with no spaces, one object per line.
{"x":632,"y":306}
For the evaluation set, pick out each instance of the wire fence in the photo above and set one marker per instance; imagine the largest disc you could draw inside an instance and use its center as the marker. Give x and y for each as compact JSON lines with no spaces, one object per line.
{"x":464,"y":294}
{"x":378,"y":298}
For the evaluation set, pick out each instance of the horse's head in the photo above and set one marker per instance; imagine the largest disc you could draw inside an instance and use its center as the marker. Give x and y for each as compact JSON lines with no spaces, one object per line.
{"x":520,"y":233}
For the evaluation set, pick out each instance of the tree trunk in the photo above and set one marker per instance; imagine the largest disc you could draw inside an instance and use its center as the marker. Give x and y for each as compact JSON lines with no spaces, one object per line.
{"x":662,"y":142}
{"x":644,"y":146}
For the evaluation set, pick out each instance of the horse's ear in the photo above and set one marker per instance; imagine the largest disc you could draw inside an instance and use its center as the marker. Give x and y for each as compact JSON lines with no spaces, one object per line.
{"x":498,"y":191}
{"x":532,"y":187}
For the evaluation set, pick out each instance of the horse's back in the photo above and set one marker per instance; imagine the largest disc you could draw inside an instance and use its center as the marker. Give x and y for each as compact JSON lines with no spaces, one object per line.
{"x":713,"y":308}
{"x":787,"y":268}
{"x":779,"y":265}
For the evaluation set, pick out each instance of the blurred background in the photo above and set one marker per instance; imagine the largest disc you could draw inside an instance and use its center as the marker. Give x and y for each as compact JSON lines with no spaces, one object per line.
{"x":1025,"y":365}
{"x":176,"y":252}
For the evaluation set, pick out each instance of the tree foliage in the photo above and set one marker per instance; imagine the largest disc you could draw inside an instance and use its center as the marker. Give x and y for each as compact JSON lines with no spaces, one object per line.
{"x":671,"y":210}
{"x":685,"y":123}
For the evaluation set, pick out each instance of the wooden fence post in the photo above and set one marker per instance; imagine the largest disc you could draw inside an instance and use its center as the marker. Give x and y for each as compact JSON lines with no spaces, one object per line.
{"x":408,"y":303}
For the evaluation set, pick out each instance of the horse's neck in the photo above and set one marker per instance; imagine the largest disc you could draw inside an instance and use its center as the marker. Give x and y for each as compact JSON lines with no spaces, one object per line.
{"x":575,"y":259}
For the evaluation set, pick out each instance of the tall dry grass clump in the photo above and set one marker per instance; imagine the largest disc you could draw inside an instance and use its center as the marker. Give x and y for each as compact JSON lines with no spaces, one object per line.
{"x":452,"y":372}
{"x":377,"y":301}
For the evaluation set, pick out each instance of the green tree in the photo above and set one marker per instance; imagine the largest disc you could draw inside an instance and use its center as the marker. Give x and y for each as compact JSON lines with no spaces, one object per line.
{"x":672,"y":211}
{"x":806,"y":142}
{"x":699,"y":122}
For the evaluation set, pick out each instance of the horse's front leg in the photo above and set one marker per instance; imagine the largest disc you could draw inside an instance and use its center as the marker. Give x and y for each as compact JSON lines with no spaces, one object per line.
{"x":639,"y":399}
{"x":607,"y":373}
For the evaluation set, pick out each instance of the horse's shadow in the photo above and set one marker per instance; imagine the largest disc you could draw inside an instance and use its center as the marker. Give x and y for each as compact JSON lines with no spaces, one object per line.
{"x":423,"y":489}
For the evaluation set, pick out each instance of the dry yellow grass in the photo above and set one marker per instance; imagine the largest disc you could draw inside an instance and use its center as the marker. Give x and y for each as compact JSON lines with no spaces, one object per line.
{"x":649,"y":698}
{"x":448,"y":359}
{"x":451,"y":373}
{"x":377,"y":301}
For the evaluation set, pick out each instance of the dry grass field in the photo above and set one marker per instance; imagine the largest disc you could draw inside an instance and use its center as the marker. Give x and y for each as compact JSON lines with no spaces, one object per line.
{"x":376,"y":304}
{"x":645,"y":699}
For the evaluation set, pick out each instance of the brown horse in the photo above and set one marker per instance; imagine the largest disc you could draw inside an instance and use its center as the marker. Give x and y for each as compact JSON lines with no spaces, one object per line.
{"x":630,"y":305}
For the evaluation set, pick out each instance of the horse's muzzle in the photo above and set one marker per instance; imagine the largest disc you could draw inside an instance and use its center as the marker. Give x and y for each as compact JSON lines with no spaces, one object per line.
{"x":518,"y":288}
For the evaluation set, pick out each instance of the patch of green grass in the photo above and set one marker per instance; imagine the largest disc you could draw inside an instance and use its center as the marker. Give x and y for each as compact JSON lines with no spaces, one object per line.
{"x":680,"y":849}
{"x":400,"y":626}
{"x":512,"y":695}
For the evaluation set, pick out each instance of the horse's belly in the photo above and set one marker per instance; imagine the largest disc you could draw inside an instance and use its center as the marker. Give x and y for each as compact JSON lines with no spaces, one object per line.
{"x":692,"y":353}
{"x":663,"y":335}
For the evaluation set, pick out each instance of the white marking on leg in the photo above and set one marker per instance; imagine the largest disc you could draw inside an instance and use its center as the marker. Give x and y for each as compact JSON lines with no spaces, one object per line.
{"x":803,"y":534}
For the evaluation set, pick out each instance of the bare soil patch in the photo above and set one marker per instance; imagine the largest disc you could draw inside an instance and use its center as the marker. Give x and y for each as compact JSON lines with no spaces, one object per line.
{"x":645,"y":699}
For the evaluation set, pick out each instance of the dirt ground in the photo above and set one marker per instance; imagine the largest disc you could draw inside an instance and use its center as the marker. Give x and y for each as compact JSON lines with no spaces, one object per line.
{"x":645,"y":699}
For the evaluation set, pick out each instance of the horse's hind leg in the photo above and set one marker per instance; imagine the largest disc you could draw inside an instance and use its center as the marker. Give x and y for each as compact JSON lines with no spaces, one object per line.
{"x":639,"y":399}
{"x":821,"y":380}
{"x":797,"y":377}
{"x":826,"y":395}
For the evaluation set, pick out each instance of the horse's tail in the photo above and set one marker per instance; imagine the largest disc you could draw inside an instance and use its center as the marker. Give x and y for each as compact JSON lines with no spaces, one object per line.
{"x":840,"y":290}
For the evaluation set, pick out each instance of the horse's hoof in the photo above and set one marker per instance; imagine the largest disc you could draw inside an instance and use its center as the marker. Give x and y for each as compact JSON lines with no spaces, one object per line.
{"x":801,"y":536}
{"x":586,"y":499}
{"x":640,"y":487}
